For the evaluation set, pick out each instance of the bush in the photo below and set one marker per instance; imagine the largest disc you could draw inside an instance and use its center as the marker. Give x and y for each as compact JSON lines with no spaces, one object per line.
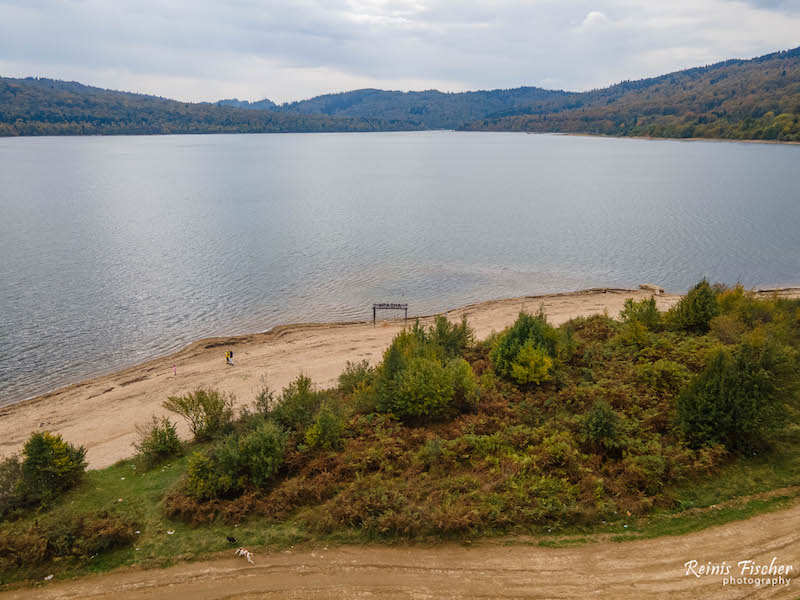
{"x":530,"y":345}
{"x":265,"y":398}
{"x":298,"y":405}
{"x":63,"y":536}
{"x":695,"y":310}
{"x":663,"y":376}
{"x":414,"y":382}
{"x":10,"y":485}
{"x":262,"y":451}
{"x":423,"y":390}
{"x":634,"y":334}
{"x":727,"y":328}
{"x":601,"y":426}
{"x":355,"y":375}
{"x":157,"y":441}
{"x":466,"y":391}
{"x":208,"y":412}
{"x":738,"y":400}
{"x":452,"y":338}
{"x":643,"y":311}
{"x":207,"y":480}
{"x":226,"y":469}
{"x":327,"y":430}
{"x":532,"y":365}
{"x":50,"y":467}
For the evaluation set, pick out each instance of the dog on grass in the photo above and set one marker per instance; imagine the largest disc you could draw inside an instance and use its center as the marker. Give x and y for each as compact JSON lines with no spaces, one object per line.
{"x":246,"y":553}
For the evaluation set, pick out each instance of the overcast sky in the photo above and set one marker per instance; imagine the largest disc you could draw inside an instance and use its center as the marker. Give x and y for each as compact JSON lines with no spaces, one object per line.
{"x":294,"y":49}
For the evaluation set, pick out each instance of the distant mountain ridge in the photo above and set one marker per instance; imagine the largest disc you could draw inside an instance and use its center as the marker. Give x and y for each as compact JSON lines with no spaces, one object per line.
{"x":259,"y":105}
{"x":757,"y":98}
{"x":34,"y":106}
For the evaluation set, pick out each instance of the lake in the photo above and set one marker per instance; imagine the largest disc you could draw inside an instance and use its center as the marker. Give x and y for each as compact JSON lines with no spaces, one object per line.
{"x":117,"y":249}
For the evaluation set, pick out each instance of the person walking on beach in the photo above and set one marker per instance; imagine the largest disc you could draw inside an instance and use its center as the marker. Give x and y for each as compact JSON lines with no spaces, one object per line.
{"x":229,"y":357}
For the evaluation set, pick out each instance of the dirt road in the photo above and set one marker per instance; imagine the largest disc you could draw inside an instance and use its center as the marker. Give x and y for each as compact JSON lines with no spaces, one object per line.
{"x":632,"y":570}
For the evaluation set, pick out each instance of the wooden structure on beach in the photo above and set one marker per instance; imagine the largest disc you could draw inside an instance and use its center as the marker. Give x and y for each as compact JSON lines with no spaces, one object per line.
{"x":388,"y":306}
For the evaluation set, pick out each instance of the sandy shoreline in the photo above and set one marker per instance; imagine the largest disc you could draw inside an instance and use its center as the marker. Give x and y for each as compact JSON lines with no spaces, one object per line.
{"x":101,"y":413}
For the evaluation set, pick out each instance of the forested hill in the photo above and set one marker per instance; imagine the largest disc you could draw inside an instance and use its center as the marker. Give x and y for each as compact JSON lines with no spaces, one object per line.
{"x":49,"y":107}
{"x":433,"y":109}
{"x":735,"y":99}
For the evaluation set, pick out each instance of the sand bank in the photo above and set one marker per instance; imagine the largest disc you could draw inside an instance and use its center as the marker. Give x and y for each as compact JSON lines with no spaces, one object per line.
{"x":101,"y":413}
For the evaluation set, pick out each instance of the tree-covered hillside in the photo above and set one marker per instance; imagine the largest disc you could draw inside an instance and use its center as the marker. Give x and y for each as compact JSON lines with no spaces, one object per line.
{"x":432,"y":109}
{"x":49,"y":107}
{"x":735,"y":99}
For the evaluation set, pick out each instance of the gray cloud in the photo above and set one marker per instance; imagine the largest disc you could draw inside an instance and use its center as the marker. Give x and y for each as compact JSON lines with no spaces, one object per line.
{"x":288,"y":49}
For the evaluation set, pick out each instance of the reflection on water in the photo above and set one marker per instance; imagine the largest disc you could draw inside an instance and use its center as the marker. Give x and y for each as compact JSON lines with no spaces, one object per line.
{"x":120,"y":248}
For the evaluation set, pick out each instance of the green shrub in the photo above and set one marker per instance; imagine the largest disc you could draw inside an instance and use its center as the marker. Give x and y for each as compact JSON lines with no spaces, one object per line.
{"x":364,"y":399}
{"x":233,"y":462}
{"x":262,"y":451}
{"x":531,"y":365}
{"x":727,"y":328}
{"x":634,"y":334}
{"x":50,"y":467}
{"x":208,"y":412}
{"x":601,"y":426}
{"x":534,"y":339}
{"x":642,"y":311}
{"x":414,"y":383}
{"x":738,"y":400}
{"x":265,"y":398}
{"x":663,"y":375}
{"x":207,"y":480}
{"x":466,"y":391}
{"x":432,"y":453}
{"x":11,"y":497}
{"x":85,"y":535}
{"x":62,"y":536}
{"x":355,"y":376}
{"x":157,"y":441}
{"x":695,"y":310}
{"x":422,"y":390}
{"x":326,"y":431}
{"x":298,"y":405}
{"x":452,"y":338}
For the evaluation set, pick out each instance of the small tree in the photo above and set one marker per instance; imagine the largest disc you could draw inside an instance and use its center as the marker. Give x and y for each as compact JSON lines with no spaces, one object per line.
{"x":643,"y":311}
{"x":738,"y":400}
{"x":327,"y":430}
{"x":50,"y":467}
{"x":695,"y":310}
{"x":262,"y":451}
{"x":525,"y":351}
{"x":208,"y":412}
{"x":601,"y":426}
{"x":355,"y":375}
{"x":298,"y":404}
{"x":532,"y":365}
{"x":157,"y":441}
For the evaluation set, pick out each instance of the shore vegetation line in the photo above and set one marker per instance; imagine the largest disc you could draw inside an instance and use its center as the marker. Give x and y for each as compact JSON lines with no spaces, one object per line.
{"x":615,"y":424}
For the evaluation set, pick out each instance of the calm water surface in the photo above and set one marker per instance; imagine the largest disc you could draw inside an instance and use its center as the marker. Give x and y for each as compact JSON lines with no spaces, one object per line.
{"x":116,"y":249}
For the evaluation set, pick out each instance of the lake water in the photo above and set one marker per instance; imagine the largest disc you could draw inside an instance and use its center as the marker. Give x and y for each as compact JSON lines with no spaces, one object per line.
{"x":116,"y":249}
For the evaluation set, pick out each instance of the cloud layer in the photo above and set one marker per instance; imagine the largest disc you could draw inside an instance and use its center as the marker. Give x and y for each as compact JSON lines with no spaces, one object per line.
{"x":294,"y":49}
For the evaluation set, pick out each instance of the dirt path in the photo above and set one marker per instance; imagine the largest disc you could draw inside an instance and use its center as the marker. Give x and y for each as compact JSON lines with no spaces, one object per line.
{"x":101,"y":413}
{"x":620,"y":571}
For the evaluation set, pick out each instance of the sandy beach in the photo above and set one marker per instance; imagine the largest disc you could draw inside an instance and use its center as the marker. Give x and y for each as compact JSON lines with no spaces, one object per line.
{"x":101,"y":413}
